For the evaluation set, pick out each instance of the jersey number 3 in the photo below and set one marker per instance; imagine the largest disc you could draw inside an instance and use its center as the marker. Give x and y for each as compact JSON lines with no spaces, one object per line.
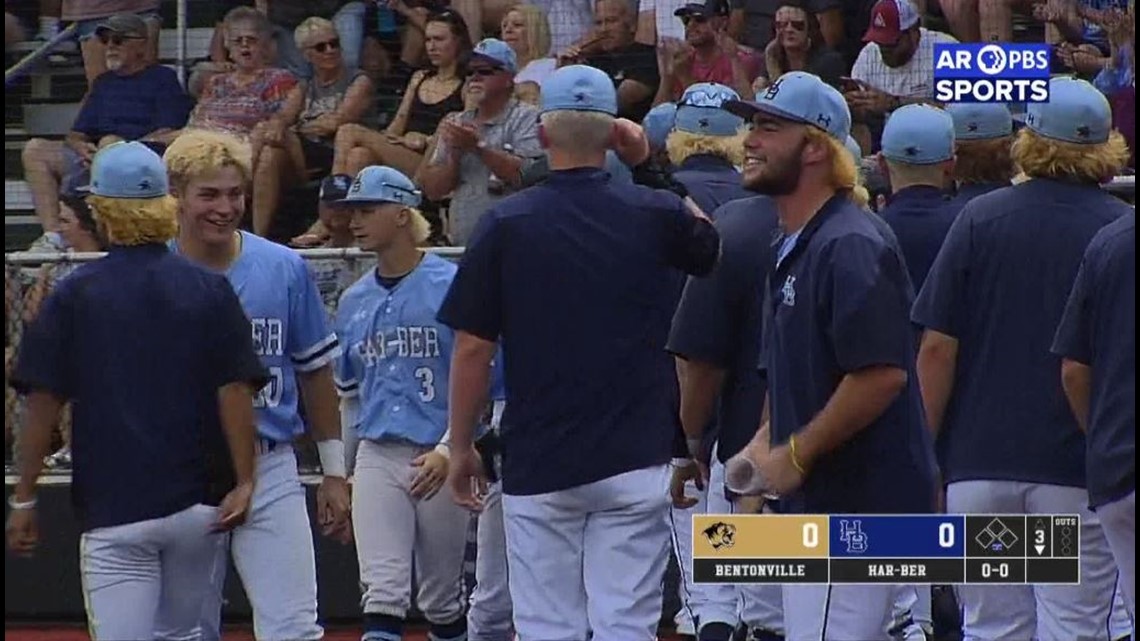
{"x":427,"y":383}
{"x":270,"y":395}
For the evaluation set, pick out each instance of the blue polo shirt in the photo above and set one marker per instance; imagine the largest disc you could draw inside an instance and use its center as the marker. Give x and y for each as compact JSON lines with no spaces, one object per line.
{"x":574,"y":276}
{"x":1098,"y":329}
{"x":920,"y":217}
{"x":711,"y":180}
{"x":836,"y":304}
{"x":139,"y":342}
{"x":999,"y":286}
{"x":133,"y":106}
{"x":718,"y":319}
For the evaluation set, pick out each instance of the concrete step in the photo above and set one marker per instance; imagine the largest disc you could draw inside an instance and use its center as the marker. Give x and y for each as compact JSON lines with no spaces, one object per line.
{"x":17,"y":197}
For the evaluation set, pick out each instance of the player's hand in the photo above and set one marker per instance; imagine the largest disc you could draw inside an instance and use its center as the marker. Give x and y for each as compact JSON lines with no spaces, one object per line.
{"x":334,"y":508}
{"x":682,"y":474}
{"x":467,"y":478}
{"x":430,"y":476}
{"x":234,"y":508}
{"x":630,"y":142}
{"x":23,"y":532}
{"x":777,"y":473}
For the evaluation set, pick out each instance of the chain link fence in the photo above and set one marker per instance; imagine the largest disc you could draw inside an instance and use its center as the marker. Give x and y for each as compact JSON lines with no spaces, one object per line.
{"x":29,"y":278}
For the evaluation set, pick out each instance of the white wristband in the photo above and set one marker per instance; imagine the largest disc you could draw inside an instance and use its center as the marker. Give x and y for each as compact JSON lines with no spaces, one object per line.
{"x":694,"y":445}
{"x":444,"y":450}
{"x":21,"y":505}
{"x":332,"y":457}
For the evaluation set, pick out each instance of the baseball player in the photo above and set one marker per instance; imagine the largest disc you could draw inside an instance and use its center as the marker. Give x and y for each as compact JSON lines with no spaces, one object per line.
{"x":1097,"y":342}
{"x":983,"y":134}
{"x":715,"y":338}
{"x":393,"y":380}
{"x":918,"y":155}
{"x":1007,"y":440}
{"x":489,"y":615}
{"x":837,"y":351}
{"x":158,"y":443}
{"x":273,"y":553}
{"x":586,"y":444}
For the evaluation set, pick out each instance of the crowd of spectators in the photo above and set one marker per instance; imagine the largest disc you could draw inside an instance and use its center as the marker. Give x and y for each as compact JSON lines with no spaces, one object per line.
{"x":444,"y":91}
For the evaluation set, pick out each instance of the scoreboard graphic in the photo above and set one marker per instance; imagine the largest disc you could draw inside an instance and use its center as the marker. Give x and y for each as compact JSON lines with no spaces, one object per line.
{"x":1017,"y":549}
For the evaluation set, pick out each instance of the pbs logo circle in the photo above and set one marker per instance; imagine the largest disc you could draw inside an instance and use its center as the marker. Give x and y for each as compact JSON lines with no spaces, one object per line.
{"x":991,"y":60}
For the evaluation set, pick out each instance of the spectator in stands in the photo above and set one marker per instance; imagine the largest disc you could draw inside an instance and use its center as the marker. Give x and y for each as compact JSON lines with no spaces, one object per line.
{"x":1078,"y":29}
{"x":752,"y":22}
{"x":1118,"y":78}
{"x":983,"y":134}
{"x":394,"y":38}
{"x":798,"y":45}
{"x":333,"y":96}
{"x":527,"y":31}
{"x":135,"y":99}
{"x":90,"y":15}
{"x":657,"y":24}
{"x":571,"y":22}
{"x":79,"y":234}
{"x":895,"y":68}
{"x":631,"y":65}
{"x":707,"y":54}
{"x":482,"y":16}
{"x":431,"y":95}
{"x":479,"y":154}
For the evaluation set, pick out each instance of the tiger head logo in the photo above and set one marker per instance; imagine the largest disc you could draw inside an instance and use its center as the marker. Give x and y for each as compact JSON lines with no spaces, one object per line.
{"x":721,"y":535}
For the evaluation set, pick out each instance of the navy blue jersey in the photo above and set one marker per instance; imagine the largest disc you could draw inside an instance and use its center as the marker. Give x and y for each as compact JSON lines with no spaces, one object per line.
{"x":1098,"y":329}
{"x":718,"y":319}
{"x":711,"y":180}
{"x":836,"y":304}
{"x":139,"y":342}
{"x":999,"y":286}
{"x":969,"y":191}
{"x":574,"y":275}
{"x":920,"y":217}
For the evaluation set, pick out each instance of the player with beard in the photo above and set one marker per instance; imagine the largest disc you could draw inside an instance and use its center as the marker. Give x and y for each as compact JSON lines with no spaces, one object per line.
{"x":837,"y":353}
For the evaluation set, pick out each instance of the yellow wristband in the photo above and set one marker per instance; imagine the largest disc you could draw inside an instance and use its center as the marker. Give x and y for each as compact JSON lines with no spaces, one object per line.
{"x":795,"y":457}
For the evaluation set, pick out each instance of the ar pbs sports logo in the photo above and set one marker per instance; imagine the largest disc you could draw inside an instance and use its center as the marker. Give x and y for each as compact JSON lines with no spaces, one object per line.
{"x":1004,"y":73}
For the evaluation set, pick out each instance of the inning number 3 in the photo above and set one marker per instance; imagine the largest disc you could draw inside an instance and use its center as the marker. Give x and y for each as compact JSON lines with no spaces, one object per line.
{"x":427,"y":383}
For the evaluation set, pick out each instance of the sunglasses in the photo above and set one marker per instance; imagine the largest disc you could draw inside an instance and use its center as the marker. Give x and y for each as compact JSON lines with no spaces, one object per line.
{"x":482,"y":72}
{"x":796,"y":25}
{"x":116,"y":39}
{"x":326,"y":46}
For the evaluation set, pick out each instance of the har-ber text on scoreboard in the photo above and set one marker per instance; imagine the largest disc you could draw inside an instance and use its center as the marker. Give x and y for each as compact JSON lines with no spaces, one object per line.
{"x":995,"y":72}
{"x":1042,"y":549}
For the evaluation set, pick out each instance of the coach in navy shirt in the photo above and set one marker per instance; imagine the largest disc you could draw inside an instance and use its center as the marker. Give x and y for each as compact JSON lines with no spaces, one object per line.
{"x":573,"y":276}
{"x":846,"y":432}
{"x":918,"y":155}
{"x":1097,"y":341}
{"x":156,"y":356}
{"x":1007,"y":440}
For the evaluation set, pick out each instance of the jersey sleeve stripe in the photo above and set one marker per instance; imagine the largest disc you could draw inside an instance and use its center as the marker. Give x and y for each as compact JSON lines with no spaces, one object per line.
{"x":319,"y":355}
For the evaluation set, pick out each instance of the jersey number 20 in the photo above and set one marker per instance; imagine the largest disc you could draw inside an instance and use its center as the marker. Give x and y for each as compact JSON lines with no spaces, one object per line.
{"x":426,"y":377}
{"x":270,"y":395}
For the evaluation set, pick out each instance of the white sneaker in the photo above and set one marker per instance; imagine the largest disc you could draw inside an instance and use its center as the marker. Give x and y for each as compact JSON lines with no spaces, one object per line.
{"x":60,"y":460}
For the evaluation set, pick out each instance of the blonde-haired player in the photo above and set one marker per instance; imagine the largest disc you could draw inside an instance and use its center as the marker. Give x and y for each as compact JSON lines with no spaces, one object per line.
{"x":393,"y":380}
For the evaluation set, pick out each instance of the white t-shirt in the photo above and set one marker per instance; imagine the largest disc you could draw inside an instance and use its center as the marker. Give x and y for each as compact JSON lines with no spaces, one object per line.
{"x":915,"y":79}
{"x":536,"y":71}
{"x":570,"y":21}
{"x":668,"y":25}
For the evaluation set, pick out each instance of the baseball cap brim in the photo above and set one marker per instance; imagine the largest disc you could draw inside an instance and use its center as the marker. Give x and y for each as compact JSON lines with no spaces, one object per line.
{"x":125,"y":24}
{"x":747,"y":108}
{"x":494,"y":62}
{"x":882,"y":36}
{"x":692,"y":10}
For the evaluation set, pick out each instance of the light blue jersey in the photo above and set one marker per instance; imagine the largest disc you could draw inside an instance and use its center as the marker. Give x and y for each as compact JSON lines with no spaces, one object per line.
{"x":291,"y":333}
{"x":498,"y":381}
{"x":397,"y":356}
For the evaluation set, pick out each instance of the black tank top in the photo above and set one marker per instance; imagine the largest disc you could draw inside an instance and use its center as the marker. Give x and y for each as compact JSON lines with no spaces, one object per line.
{"x":424,"y":117}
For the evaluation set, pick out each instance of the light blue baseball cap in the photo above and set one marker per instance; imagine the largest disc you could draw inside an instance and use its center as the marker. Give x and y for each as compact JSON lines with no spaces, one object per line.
{"x":128,"y":170}
{"x":658,"y":123}
{"x":1077,"y":112}
{"x":918,"y":135}
{"x":579,"y":88}
{"x":378,"y":184}
{"x":854,"y":149}
{"x":497,"y":53}
{"x":980,"y":120}
{"x":701,"y":110}
{"x":800,"y":97}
